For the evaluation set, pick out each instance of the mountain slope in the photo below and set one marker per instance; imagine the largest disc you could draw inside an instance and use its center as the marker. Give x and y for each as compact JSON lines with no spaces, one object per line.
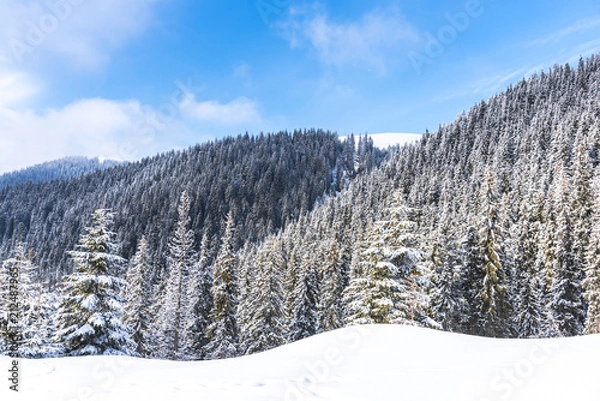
{"x":361,"y":363}
{"x":265,"y":181}
{"x":62,"y":169}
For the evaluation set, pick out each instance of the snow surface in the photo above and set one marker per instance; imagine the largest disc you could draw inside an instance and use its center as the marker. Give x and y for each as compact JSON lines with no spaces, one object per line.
{"x":358,"y":363}
{"x":386,"y":139}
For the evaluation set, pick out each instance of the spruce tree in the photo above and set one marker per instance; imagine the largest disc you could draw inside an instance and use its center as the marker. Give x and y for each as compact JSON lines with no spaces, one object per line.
{"x":171,"y":317}
{"x":384,"y":288}
{"x":330,"y":308}
{"x":138,"y":299}
{"x":266,"y":328}
{"x":492,"y":293}
{"x":200,"y":304}
{"x":223,"y":333}
{"x":567,"y":304}
{"x":91,"y":306}
{"x":591,"y":283}
{"x":304,"y":319}
{"x":26,"y":324}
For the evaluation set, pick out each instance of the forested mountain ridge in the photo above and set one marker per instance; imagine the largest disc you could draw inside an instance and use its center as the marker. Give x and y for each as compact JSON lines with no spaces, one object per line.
{"x":265,"y":180}
{"x":489,"y":226}
{"x":62,"y":169}
{"x":502,"y":204}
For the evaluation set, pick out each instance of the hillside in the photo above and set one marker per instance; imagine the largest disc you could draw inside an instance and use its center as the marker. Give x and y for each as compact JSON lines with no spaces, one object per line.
{"x":354,"y":364}
{"x":63,"y":169}
{"x":266,"y":181}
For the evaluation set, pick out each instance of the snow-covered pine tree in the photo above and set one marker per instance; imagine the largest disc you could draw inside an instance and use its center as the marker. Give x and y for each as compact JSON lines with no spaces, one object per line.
{"x":138,"y":298}
{"x":530,"y":311}
{"x":330,"y":308}
{"x":223,"y":333}
{"x":492,"y":292}
{"x":91,"y":307}
{"x":445,"y":296}
{"x":591,"y":283}
{"x":266,"y":327}
{"x":304,"y":318}
{"x":383,"y":288}
{"x":200,"y":304}
{"x":181,"y":257}
{"x":26,"y":327}
{"x":567,"y":304}
{"x":470,"y":275}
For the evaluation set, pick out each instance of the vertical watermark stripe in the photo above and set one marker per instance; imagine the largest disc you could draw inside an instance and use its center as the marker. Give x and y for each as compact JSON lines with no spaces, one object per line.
{"x":13,"y":335}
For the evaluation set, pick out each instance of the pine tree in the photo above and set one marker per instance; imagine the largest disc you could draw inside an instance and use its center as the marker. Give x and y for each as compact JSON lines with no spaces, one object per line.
{"x":223,"y":333}
{"x":567,"y":298}
{"x":24,"y":325}
{"x":304,"y":319}
{"x":171,"y":318}
{"x":138,"y":300}
{"x":445,"y":295}
{"x":200,"y":304}
{"x":266,"y":327}
{"x":591,"y":284}
{"x":470,"y":275}
{"x":529,"y":305}
{"x":90,"y":312}
{"x":330,"y":308}
{"x":383,"y":288}
{"x":492,"y":296}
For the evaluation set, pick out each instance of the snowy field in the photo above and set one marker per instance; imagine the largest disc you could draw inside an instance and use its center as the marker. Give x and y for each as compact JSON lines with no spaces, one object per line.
{"x":359,"y":363}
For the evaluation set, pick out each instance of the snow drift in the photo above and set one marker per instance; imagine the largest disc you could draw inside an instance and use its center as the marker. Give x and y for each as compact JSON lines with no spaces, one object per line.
{"x":358,"y":363}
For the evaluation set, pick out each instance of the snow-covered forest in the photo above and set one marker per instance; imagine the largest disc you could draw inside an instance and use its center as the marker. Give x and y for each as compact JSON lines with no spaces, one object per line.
{"x":488,"y":226}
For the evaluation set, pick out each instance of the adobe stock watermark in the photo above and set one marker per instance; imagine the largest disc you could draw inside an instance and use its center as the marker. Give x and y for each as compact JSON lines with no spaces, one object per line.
{"x":267,"y":9}
{"x":104,"y":375}
{"x":320,"y":371}
{"x":437,"y":43}
{"x":11,"y":327}
{"x":507,"y":383}
{"x":38,"y":31}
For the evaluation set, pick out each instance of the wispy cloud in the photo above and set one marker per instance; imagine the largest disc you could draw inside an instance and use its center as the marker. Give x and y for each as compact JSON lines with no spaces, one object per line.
{"x":581,"y":25}
{"x":238,"y":112}
{"x":370,"y":41}
{"x":82,"y":33}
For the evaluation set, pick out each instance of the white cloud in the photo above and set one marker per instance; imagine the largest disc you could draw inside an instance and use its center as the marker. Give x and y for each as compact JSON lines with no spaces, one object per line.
{"x":91,"y":127}
{"x":235,"y":113}
{"x":581,"y":25}
{"x":83,"y":32}
{"x":16,"y":87}
{"x":370,"y":41}
{"x":118,"y":130}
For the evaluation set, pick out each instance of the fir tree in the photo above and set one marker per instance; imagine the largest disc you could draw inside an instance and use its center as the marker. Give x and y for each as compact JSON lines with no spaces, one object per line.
{"x":384,"y":288}
{"x":567,"y":298}
{"x":200,"y":304}
{"x":171,"y":318}
{"x":90,"y":312}
{"x":529,"y":305}
{"x":25,"y":324}
{"x":492,"y":292}
{"x":223,"y":333}
{"x":330,"y":308}
{"x":138,"y":300}
{"x":591,"y":284}
{"x":304,"y":319}
{"x":266,"y":327}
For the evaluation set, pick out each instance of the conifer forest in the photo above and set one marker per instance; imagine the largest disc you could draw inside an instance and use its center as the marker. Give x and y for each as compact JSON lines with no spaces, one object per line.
{"x":489,"y":226}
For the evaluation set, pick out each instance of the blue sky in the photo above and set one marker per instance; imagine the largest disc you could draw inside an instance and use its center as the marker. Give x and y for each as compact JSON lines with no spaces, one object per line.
{"x":123,"y":80}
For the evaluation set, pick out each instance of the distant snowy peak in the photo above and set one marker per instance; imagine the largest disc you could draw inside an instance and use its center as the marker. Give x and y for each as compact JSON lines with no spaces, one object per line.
{"x":385,"y":139}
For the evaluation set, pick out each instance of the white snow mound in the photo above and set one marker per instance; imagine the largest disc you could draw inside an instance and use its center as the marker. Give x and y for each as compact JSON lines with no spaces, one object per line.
{"x":366,"y":363}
